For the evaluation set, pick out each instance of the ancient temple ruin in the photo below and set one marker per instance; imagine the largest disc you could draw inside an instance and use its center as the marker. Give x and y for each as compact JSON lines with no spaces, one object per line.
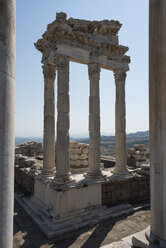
{"x":63,"y":201}
{"x":94,"y":43}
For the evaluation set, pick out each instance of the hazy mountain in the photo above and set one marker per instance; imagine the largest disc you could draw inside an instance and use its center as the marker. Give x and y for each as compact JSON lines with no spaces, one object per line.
{"x":106,"y":138}
{"x":107,"y":142}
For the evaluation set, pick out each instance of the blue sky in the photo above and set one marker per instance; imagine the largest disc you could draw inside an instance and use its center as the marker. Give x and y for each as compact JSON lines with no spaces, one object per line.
{"x":32,"y":19}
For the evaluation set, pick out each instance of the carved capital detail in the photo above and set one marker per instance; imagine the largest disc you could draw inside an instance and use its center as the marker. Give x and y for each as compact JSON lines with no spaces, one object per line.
{"x":49,"y":72}
{"x":94,"y":70}
{"x":120,"y":75}
{"x":62,"y":62}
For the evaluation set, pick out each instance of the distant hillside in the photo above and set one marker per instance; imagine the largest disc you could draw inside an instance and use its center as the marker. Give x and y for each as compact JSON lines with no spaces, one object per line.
{"x":144,"y":134}
{"x":107,"y":142}
{"x":131,"y":136}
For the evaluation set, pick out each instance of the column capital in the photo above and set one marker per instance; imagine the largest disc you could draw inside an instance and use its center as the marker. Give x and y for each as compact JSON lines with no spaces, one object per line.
{"x":120,"y":75}
{"x":62,"y":62}
{"x":49,"y":72}
{"x":94,"y":70}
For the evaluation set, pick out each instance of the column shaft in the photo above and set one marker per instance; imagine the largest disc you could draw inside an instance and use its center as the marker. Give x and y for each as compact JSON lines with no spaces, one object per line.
{"x":49,"y":122}
{"x":94,"y":170}
{"x":7,"y":103}
{"x":62,"y":145}
{"x":157,"y":105}
{"x":120,"y":123}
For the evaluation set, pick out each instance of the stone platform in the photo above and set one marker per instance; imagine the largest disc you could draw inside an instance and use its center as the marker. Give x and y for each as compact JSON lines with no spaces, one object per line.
{"x":114,"y":191}
{"x":60,"y":210}
{"x":27,"y":234}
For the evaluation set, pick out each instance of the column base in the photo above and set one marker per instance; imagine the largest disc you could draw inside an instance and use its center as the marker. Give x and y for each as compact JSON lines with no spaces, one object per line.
{"x":152,"y":238}
{"x":146,"y":239}
{"x":48,"y":173}
{"x":61,"y":179}
{"x":121,"y":170}
{"x":95,"y":176}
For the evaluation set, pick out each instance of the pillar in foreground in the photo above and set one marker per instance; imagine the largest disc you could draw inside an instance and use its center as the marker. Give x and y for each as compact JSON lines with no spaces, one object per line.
{"x":49,"y":122}
{"x":7,"y":102}
{"x":120,"y":123}
{"x":157,"y":105}
{"x":94,"y":170}
{"x":62,"y":144}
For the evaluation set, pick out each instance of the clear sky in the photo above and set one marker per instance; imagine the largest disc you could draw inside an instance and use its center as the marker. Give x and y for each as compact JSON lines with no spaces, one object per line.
{"x":32,"y":19}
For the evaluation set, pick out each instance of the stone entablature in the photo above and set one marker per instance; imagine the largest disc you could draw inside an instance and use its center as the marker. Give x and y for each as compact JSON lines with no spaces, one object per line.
{"x":84,"y":42}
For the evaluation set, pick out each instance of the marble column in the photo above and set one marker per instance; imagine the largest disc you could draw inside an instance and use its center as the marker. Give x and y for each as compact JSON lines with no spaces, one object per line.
{"x":120,"y":123}
{"x":7,"y":103}
{"x":94,"y":170}
{"x":49,"y":122}
{"x":62,"y":145}
{"x":157,"y":105}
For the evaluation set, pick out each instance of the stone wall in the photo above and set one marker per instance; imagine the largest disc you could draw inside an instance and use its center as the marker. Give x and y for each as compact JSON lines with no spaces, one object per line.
{"x":30,"y":163}
{"x":130,"y":190}
{"x":30,"y":149}
{"x":26,"y":170}
{"x":137,"y":155}
{"x":78,"y":153}
{"x":24,"y":179}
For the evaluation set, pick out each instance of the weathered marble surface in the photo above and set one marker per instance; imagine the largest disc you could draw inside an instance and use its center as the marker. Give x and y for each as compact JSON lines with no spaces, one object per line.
{"x":94,"y":170}
{"x":49,"y":122}
{"x":7,"y":105}
{"x":120,"y":123}
{"x":157,"y":94}
{"x":84,"y":42}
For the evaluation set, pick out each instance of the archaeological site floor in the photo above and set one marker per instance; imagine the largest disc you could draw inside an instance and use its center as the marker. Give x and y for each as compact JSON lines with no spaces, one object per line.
{"x":27,"y":234}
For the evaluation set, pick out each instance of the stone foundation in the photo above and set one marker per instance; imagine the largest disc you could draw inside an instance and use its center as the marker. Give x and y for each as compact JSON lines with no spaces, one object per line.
{"x":130,"y":190}
{"x":58,"y":211}
{"x":113,"y":192}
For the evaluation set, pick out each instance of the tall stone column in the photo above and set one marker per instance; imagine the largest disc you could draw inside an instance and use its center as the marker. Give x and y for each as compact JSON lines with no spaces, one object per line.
{"x":49,"y":122}
{"x":120,"y":123}
{"x":7,"y":103}
{"x":157,"y":105}
{"x":94,"y":170}
{"x":62,"y":144}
